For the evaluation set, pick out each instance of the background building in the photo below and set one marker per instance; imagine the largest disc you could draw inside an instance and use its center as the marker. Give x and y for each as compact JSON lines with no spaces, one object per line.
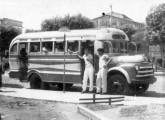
{"x":116,"y":20}
{"x":10,"y":22}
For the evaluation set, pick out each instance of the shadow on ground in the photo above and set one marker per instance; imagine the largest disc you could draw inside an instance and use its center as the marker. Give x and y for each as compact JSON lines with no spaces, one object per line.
{"x":12,"y":85}
{"x":152,"y":94}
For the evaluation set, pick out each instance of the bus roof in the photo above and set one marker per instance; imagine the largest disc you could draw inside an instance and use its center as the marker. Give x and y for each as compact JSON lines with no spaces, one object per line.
{"x":71,"y":33}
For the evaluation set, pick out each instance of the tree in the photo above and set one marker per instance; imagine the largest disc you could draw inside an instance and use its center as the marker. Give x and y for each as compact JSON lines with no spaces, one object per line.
{"x":129,"y":30}
{"x":142,"y":45}
{"x":72,"y":22}
{"x":155,"y":32}
{"x":51,"y":24}
{"x":138,"y":39}
{"x":7,"y":34}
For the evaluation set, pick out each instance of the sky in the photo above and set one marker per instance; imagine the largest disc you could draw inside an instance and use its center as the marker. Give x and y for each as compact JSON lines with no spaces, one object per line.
{"x":33,"y":12}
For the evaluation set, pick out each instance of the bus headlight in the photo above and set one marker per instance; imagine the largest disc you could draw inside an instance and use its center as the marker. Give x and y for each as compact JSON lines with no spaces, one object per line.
{"x":136,"y":67}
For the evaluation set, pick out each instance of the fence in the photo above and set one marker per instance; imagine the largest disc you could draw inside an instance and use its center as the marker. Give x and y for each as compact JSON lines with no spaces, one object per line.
{"x":101,"y":100}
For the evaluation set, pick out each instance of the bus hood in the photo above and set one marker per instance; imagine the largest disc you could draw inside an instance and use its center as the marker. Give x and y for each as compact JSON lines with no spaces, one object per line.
{"x":129,"y":59}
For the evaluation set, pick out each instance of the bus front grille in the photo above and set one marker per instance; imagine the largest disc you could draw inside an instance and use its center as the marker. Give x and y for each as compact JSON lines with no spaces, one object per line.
{"x":145,"y":71}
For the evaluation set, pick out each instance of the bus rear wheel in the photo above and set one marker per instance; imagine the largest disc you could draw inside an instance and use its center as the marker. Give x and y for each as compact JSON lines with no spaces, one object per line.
{"x":35,"y":82}
{"x":117,"y":84}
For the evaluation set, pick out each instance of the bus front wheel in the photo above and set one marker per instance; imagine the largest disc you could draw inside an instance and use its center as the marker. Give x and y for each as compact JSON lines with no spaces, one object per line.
{"x":117,"y":84}
{"x":139,"y":88}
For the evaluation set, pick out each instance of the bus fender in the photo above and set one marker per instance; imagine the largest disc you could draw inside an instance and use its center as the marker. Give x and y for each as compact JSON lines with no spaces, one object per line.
{"x":121,"y":70}
{"x":30,"y":72}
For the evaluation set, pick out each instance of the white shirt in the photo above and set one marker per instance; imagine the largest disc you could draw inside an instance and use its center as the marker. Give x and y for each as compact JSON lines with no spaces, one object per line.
{"x":87,"y":63}
{"x":103,"y":60}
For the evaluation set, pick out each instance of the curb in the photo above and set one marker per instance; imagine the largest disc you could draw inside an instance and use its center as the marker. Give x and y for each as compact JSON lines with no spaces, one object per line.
{"x":89,"y":113}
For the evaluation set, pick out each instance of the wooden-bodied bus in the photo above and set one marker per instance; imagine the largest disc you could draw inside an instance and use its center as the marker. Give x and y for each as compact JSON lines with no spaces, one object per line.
{"x":44,"y":54}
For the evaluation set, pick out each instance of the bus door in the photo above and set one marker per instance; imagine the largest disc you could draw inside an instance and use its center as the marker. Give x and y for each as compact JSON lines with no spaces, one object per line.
{"x":87,"y":44}
{"x":72,"y":62}
{"x":108,"y":49}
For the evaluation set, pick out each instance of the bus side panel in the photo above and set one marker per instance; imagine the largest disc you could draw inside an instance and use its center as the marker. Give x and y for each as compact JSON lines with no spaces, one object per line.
{"x":51,"y":67}
{"x":59,"y":78}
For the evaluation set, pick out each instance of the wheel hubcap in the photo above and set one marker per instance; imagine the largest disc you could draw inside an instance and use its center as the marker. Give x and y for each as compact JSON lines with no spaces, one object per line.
{"x":118,"y":87}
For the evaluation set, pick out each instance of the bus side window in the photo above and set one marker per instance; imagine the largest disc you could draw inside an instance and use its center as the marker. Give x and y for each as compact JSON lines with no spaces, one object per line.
{"x":73,"y":46}
{"x":13,"y":49}
{"x":59,"y":46}
{"x":47,"y":46}
{"x":35,"y":47}
{"x":23,"y":46}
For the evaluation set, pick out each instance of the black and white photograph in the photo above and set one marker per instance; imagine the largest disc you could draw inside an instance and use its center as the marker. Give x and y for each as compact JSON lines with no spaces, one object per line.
{"x":82,"y":60}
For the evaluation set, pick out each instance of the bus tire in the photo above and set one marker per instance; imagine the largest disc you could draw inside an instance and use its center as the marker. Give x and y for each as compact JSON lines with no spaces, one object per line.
{"x":117,"y":84}
{"x":35,"y":82}
{"x":139,"y":88}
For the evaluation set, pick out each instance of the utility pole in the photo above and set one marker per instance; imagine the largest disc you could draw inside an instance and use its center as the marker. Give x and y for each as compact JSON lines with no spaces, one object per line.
{"x":64,"y":29}
{"x":111,"y":16}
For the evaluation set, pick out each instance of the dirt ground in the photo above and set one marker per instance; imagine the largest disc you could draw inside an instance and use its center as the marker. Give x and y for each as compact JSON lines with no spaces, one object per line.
{"x":26,"y":109}
{"x":134,"y":112}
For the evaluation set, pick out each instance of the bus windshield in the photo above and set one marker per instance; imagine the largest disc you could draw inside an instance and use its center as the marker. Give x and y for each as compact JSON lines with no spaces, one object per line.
{"x":119,"y":47}
{"x":115,"y":47}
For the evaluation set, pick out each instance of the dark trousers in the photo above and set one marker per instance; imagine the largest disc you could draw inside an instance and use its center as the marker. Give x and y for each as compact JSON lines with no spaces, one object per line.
{"x":0,"y":79}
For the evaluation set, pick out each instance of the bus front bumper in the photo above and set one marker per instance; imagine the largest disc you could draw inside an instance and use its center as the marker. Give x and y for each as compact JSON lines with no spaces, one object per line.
{"x":144,"y":80}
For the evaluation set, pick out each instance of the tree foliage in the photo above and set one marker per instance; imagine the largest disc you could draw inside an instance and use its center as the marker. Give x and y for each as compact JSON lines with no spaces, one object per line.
{"x":155,"y":33}
{"x":7,"y":34}
{"x":72,"y":22}
{"x":138,"y":39}
{"x":31,"y":30}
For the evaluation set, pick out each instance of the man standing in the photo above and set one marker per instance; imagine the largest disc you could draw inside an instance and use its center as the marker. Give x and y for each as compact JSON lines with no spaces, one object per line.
{"x":89,"y":71}
{"x":101,"y":80}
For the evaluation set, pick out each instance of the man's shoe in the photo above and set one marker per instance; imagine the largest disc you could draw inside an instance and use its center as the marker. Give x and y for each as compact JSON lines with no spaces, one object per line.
{"x":84,"y":92}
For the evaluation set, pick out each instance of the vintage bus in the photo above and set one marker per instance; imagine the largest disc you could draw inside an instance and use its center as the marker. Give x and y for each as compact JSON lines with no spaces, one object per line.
{"x":126,"y":74}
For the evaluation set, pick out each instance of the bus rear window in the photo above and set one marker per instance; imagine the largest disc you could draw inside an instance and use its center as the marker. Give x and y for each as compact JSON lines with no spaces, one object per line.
{"x":14,"y":49}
